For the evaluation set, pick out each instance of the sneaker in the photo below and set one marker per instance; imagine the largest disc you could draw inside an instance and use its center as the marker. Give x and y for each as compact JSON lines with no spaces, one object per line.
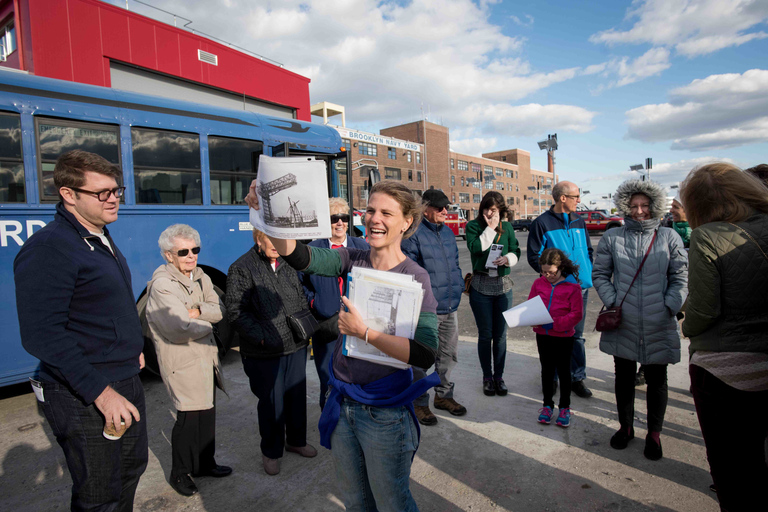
{"x":450,"y":405}
{"x":425,"y":416}
{"x":564,"y":418}
{"x":580,"y":389}
{"x":545,"y":415}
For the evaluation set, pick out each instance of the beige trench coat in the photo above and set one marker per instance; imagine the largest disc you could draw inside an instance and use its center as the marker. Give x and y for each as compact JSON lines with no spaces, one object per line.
{"x":186,"y":349}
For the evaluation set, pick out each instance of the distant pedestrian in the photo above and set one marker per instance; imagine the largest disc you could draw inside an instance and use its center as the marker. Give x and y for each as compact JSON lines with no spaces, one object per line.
{"x":560,"y":290}
{"x":433,"y":247}
{"x":643,"y":268}
{"x":182,"y":307}
{"x":727,"y":322}
{"x":680,"y":221}
{"x":77,"y":314}
{"x":491,"y":288}
{"x":563,"y":228}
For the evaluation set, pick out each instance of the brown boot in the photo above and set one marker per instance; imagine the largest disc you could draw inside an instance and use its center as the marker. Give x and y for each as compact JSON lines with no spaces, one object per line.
{"x":305,"y":451}
{"x":271,"y":466}
{"x":450,"y":405}
{"x":425,"y":416}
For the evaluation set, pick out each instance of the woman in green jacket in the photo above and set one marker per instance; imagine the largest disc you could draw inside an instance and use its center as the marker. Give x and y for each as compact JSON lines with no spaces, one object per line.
{"x":491,"y":289}
{"x":727,"y":322}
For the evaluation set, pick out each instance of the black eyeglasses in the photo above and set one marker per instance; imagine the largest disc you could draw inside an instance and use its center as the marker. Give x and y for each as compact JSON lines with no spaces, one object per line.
{"x":344,"y":217}
{"x":184,"y":252}
{"x":102,"y":195}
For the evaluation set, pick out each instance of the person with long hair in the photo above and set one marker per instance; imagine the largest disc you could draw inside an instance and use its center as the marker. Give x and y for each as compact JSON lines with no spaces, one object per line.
{"x":368,"y":421}
{"x":560,"y":290}
{"x":643,"y":268}
{"x":727,"y":323}
{"x":491,"y":287}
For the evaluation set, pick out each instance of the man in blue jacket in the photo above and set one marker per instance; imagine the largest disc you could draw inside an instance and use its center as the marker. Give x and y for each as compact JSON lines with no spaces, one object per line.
{"x":433,"y":246}
{"x":77,"y":314}
{"x":561,"y":227}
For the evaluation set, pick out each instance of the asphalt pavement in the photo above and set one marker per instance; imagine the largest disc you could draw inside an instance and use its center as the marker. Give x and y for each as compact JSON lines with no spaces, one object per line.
{"x":496,"y":458}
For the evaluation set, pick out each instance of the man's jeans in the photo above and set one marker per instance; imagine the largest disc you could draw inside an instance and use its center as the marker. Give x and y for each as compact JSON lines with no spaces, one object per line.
{"x":372,"y":451}
{"x":104,"y":473}
{"x":447,"y":356}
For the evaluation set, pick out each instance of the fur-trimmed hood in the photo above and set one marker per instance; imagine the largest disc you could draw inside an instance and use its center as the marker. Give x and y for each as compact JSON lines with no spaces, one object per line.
{"x":654,"y":191}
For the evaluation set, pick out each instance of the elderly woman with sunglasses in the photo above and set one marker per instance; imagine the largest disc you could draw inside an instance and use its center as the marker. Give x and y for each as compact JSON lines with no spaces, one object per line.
{"x":324,"y":293}
{"x":182,"y":307}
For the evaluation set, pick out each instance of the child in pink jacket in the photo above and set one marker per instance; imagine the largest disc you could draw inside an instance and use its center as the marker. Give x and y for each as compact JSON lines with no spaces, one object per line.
{"x":560,"y":290}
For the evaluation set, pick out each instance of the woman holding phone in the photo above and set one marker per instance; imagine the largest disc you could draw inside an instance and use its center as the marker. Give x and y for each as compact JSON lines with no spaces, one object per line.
{"x":491,"y":288}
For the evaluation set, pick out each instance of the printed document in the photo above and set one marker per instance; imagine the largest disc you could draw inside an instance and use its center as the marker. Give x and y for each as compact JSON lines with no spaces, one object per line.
{"x":530,"y":312}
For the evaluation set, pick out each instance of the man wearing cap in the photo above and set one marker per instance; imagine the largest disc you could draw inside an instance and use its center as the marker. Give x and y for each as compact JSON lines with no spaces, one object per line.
{"x":433,"y":246}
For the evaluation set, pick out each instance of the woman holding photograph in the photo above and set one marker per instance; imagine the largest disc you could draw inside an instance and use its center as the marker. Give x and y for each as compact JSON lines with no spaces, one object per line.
{"x":368,"y":420}
{"x":491,"y":289}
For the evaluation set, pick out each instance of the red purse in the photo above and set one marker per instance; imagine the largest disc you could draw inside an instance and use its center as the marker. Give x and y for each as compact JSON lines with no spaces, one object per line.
{"x":610,"y":319}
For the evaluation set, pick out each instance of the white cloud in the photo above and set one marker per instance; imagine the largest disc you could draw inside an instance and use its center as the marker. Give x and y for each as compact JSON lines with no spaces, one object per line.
{"x":692,"y":27}
{"x":523,"y":23}
{"x":383,"y":59}
{"x":528,"y":120}
{"x":719,"y":111}
{"x":651,"y":63}
{"x":474,"y":146}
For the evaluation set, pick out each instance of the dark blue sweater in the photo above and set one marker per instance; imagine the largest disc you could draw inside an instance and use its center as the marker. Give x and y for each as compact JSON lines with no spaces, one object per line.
{"x":77,"y":313}
{"x":434,"y":248}
{"x":324,"y":291}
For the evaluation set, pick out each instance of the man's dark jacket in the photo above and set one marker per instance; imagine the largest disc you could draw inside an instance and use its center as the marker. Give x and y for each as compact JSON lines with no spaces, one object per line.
{"x":433,"y":247}
{"x":258,"y":301}
{"x":324,"y":291}
{"x":77,"y":312}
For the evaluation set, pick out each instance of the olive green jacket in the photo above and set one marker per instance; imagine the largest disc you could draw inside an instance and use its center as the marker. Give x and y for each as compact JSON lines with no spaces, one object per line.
{"x":478,"y":255}
{"x":727,"y":282}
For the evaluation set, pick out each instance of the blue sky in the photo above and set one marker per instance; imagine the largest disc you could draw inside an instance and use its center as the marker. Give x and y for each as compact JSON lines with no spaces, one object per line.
{"x":681,"y":81}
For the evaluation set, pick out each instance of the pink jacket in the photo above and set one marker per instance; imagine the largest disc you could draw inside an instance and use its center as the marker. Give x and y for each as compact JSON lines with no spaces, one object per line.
{"x":564,"y":303}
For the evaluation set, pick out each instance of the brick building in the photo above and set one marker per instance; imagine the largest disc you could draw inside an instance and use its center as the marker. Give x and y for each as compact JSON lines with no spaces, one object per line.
{"x":419,"y":155}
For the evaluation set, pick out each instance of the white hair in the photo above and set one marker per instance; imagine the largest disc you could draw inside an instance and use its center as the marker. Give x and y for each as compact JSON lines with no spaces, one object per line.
{"x":171,"y":233}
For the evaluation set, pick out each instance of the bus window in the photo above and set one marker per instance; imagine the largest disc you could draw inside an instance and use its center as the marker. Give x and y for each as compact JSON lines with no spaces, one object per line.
{"x":11,"y":163}
{"x":166,"y":167}
{"x":233,"y":166}
{"x":57,"y":136}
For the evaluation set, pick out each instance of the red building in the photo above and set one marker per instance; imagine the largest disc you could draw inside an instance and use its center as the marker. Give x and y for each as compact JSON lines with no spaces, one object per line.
{"x":96,"y":43}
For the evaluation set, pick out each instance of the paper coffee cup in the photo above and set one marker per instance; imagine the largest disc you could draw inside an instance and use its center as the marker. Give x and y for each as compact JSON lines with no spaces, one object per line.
{"x":113,"y":433}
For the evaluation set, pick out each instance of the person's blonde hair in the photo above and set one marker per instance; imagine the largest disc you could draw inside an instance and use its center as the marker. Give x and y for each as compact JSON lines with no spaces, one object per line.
{"x":338,"y":203}
{"x":258,"y":235}
{"x":409,"y":204}
{"x":722,"y":192}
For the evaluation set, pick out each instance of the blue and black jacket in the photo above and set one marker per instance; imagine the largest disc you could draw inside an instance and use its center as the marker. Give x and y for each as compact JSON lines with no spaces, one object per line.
{"x":551,"y":229}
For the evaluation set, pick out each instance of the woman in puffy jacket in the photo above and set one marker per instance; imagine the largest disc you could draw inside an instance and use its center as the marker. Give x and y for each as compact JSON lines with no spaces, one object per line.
{"x":727,"y":321}
{"x":181,"y":308}
{"x":648,"y":333}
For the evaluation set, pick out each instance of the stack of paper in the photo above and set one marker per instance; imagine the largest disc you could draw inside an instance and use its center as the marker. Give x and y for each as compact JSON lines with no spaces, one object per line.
{"x":389,"y":303}
{"x":530,"y":312}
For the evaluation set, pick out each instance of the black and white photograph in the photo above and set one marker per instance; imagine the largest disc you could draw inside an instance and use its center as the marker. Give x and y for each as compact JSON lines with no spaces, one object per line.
{"x":292,"y":194}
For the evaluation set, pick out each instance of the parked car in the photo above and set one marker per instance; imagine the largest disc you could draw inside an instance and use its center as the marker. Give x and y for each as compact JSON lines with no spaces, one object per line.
{"x":600,"y":220}
{"x":522,"y":224}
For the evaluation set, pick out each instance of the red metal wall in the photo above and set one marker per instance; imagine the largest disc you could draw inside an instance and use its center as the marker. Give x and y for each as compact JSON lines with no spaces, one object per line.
{"x":76,"y":39}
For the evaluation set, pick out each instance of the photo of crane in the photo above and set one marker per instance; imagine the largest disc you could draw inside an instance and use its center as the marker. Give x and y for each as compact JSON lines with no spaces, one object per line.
{"x":301,"y":211}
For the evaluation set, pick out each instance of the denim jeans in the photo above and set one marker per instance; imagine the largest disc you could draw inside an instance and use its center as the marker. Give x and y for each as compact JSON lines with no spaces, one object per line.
{"x":735,"y":449}
{"x":280,"y":383}
{"x":372,"y":451}
{"x":447,"y":357}
{"x":491,"y":330}
{"x":104,"y":473}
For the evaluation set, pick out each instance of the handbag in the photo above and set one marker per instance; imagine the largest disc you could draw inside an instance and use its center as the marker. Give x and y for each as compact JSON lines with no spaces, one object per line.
{"x":303,"y":324}
{"x":609,"y":319}
{"x":467,"y":282}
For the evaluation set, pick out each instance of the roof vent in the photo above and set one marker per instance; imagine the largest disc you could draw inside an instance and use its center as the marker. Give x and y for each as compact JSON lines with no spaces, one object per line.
{"x":207,"y":57}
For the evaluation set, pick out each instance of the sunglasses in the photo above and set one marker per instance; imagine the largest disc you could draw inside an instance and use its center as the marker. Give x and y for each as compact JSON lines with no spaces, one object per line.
{"x":344,"y":217}
{"x":184,"y":252}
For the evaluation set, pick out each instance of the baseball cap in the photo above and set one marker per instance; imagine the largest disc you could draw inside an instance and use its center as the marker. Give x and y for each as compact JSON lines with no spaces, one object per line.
{"x":435,"y":198}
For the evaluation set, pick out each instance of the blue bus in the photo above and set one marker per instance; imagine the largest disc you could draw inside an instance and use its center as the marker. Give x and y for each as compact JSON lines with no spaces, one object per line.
{"x":181,"y":162}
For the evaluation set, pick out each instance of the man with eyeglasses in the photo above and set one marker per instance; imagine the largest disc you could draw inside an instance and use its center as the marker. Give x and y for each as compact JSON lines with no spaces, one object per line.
{"x":77,"y":314}
{"x":563,"y":228}
{"x":433,"y":247}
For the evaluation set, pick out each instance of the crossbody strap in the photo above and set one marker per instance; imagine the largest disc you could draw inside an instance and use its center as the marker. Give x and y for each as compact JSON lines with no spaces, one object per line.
{"x":750,"y":237}
{"x":641,"y":266}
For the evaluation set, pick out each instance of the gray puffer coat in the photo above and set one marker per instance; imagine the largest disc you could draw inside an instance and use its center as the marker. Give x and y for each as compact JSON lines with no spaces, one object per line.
{"x":648,"y":333}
